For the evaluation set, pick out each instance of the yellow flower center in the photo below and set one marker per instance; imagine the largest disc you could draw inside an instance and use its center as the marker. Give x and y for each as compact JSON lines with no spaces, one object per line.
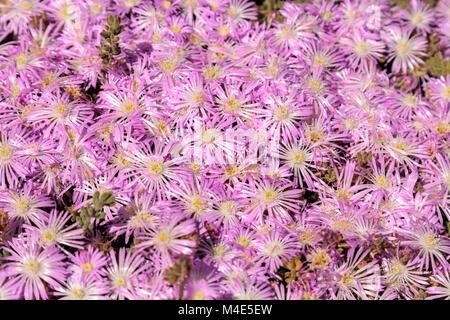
{"x":26,"y":5}
{"x":298,"y":157}
{"x":443,"y":127}
{"x":410,"y":101}
{"x":316,"y":136}
{"x":213,"y":5}
{"x":224,"y":31}
{"x":403,"y":48}
{"x":309,"y":296}
{"x":49,"y":236}
{"x":211,"y":72}
{"x":347,"y":280}
{"x":274,"y":249}
{"x":33,"y":267}
{"x":272,"y":70}
{"x":282,"y":113}
{"x":198,"y":295}
{"x":286,"y":31}
{"x":243,"y":241}
{"x":96,"y":8}
{"x":156,"y":167}
{"x":132,"y":3}
{"x":21,"y":61}
{"x":218,"y":252}
{"x":320,"y":60}
{"x":326,"y":15}
{"x":78,"y":294}
{"x":65,"y":12}
{"x":176,"y":29}
{"x":194,"y":166}
{"x":164,"y":236}
{"x":226,"y":208}
{"x":362,"y":48}
{"x":268,"y":196}
{"x":120,"y":282}
{"x":381,"y":182}
{"x":307,"y":237}
{"x":232,"y":105}
{"x":128,"y":106}
{"x":343,"y":225}
{"x":446,"y":178}
{"x":60,"y":109}
{"x":445,"y":93}
{"x":320,"y":259}
{"x":168,"y":65}
{"x":343,"y":195}
{"x":197,"y":204}
{"x":398,"y":268}
{"x":417,"y":19}
{"x":87,"y":267}
{"x":314,"y":84}
{"x":429,"y":242}
{"x":5,"y":153}
{"x":208,"y":136}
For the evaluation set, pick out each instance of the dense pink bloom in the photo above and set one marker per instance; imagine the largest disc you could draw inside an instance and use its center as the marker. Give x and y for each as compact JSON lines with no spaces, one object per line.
{"x":216,"y":149}
{"x":31,"y":266}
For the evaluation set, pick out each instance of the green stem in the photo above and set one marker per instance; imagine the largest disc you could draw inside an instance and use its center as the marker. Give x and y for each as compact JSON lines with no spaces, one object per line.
{"x":181,"y":290}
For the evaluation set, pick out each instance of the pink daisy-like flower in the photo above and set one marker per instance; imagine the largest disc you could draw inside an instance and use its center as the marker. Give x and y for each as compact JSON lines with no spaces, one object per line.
{"x":52,"y":230}
{"x":10,"y":167}
{"x":121,"y":270}
{"x":442,"y":288}
{"x":25,"y":204}
{"x":405,"y":50}
{"x":432,"y":246}
{"x":168,"y":238}
{"x":7,"y":291}
{"x":418,"y":16}
{"x":355,"y":281}
{"x":203,"y":283}
{"x":30,"y":266}
{"x":83,"y":288}
{"x":276,"y":198}
{"x":90,"y":262}
{"x":251,"y":289}
{"x":276,"y":248}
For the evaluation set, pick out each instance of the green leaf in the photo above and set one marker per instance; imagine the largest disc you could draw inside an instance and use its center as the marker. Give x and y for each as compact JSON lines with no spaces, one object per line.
{"x":438,"y":66}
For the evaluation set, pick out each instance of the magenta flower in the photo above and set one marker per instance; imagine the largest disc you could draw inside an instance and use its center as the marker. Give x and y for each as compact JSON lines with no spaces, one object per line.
{"x":291,"y":151}
{"x":83,"y":288}
{"x":25,"y":204}
{"x":442,"y":289}
{"x":89,"y":263}
{"x":166,"y":238}
{"x":52,"y":231}
{"x":120,"y":271}
{"x":404,"y":50}
{"x":30,"y":266}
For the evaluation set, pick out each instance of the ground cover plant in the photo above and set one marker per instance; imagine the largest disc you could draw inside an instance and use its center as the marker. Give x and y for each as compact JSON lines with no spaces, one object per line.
{"x":224,"y":149}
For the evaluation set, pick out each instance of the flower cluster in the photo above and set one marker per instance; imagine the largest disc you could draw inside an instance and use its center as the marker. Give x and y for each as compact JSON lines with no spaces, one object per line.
{"x":202,"y":149}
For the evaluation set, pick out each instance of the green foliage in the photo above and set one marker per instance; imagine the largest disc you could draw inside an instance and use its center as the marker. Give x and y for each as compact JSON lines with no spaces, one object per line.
{"x":178,"y":273}
{"x":364,"y":158}
{"x":404,"y":3}
{"x":93,"y":211}
{"x":3,"y":254}
{"x":438,"y":66}
{"x":268,"y":8}
{"x":293,"y":266}
{"x":110,"y":47}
